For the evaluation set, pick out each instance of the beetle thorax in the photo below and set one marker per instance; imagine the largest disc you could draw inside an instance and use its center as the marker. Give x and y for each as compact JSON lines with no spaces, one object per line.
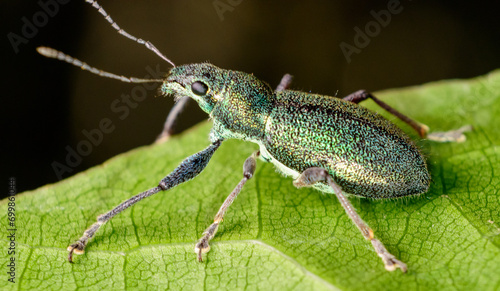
{"x":244,"y":107}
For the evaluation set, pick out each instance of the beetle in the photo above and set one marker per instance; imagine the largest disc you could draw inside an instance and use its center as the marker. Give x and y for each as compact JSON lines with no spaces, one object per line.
{"x":332,"y":144}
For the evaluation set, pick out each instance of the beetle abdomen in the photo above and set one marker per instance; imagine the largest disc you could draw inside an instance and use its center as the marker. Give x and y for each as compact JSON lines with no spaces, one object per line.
{"x":366,"y":154}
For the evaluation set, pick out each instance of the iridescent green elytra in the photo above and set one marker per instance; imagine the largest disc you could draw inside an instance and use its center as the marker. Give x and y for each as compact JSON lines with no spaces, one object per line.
{"x":367,"y":155}
{"x":328,"y":143}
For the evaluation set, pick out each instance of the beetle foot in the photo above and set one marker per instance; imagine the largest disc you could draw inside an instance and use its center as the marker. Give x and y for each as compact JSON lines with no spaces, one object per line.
{"x":392,"y":264}
{"x":390,"y":261}
{"x":77,"y":248}
{"x":450,"y":136}
{"x":202,"y":247}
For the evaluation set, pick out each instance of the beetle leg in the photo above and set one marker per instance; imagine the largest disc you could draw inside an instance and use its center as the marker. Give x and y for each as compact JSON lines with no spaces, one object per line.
{"x":456,"y":135}
{"x":361,"y":95}
{"x":248,"y":170}
{"x":173,"y":115}
{"x":285,"y":82}
{"x":186,"y":171}
{"x":315,"y":175}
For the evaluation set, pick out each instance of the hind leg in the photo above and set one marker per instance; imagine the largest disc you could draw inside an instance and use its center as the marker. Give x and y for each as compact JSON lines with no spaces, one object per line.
{"x":314,"y":175}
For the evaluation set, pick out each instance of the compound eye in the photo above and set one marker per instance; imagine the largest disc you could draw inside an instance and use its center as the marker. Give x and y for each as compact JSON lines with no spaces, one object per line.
{"x":199,"y":88}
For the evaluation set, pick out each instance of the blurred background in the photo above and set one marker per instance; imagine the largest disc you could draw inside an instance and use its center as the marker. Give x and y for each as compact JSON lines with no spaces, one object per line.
{"x":47,"y":104}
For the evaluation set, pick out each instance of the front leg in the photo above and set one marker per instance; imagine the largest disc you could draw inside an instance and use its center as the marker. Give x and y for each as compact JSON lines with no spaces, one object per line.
{"x":314,"y":175}
{"x":173,"y":115}
{"x":187,"y":170}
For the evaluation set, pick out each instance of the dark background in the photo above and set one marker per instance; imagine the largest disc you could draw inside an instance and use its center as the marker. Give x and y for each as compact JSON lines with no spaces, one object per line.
{"x":46,"y":103}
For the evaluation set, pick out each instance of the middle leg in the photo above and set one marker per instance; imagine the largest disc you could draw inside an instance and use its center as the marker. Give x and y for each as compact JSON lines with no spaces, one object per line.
{"x":248,"y":170}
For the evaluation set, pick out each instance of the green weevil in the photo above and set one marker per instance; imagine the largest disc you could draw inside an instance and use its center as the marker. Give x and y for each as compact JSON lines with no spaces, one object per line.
{"x":331,"y":144}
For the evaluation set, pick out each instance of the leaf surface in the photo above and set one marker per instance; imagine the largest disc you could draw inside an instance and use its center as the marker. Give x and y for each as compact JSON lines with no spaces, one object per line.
{"x":274,"y":235}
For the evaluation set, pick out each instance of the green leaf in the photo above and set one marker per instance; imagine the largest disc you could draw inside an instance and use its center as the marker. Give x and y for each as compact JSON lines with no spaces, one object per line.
{"x":274,"y":235}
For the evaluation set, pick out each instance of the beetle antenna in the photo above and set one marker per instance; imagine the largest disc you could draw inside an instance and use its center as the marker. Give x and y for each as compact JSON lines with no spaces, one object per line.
{"x":148,"y":44}
{"x":55,"y":54}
